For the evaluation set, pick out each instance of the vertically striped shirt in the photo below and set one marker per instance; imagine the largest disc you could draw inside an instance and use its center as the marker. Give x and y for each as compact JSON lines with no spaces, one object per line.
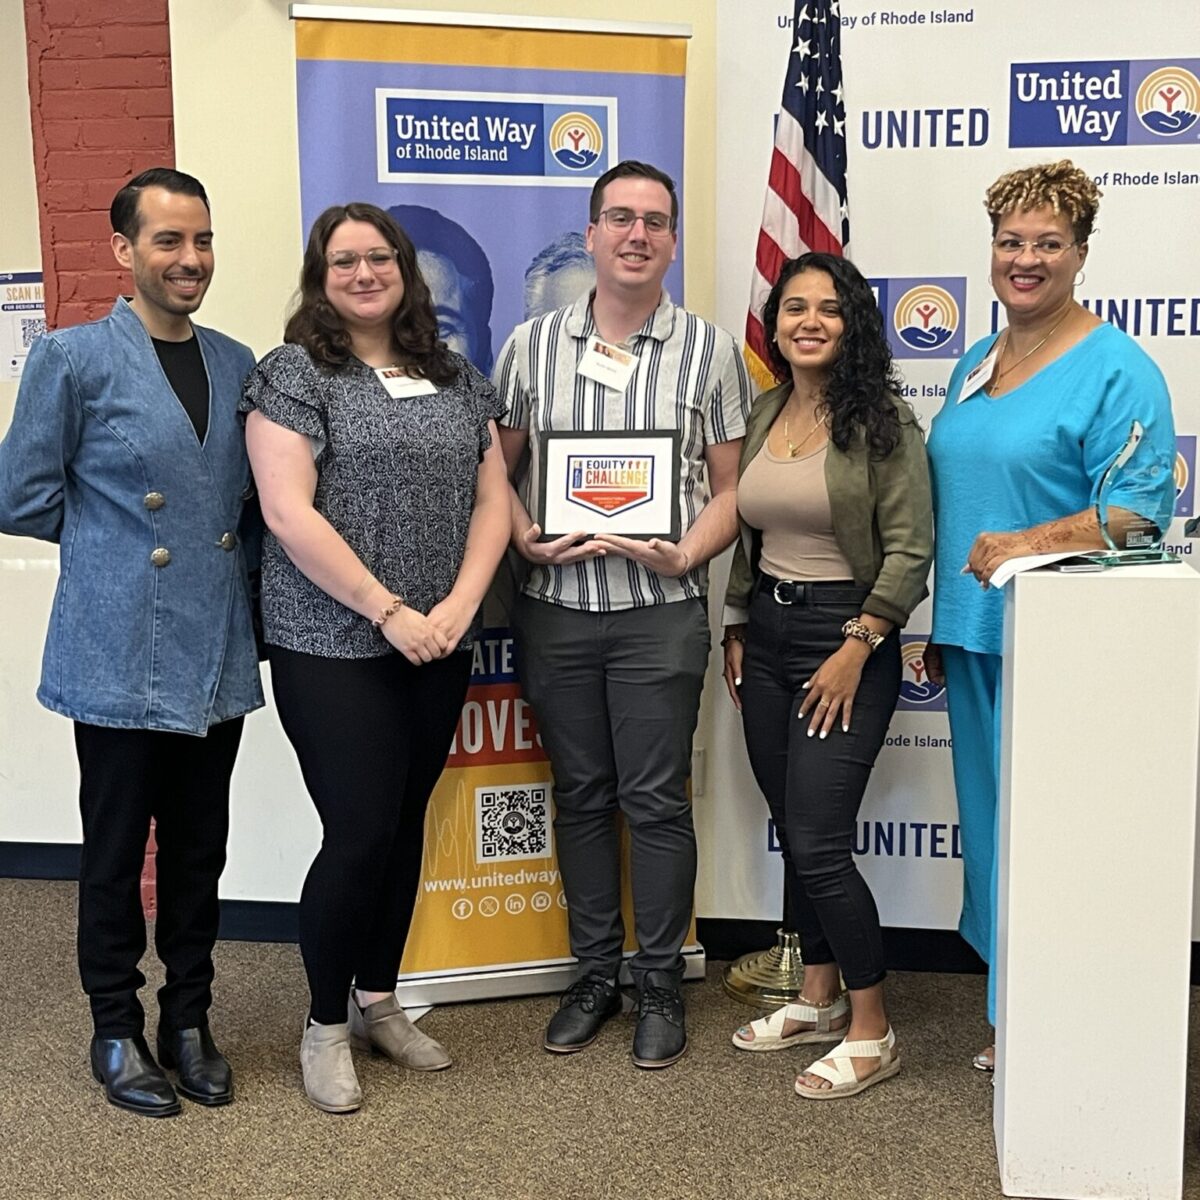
{"x":689,"y":376}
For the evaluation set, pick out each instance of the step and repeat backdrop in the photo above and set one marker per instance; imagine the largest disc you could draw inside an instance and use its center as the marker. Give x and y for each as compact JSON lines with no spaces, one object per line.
{"x":940,"y":100}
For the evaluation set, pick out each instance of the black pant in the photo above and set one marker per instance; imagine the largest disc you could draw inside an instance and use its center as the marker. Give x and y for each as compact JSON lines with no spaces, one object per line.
{"x":617,"y":696}
{"x":814,"y":787}
{"x":128,"y":776}
{"x":372,"y":736}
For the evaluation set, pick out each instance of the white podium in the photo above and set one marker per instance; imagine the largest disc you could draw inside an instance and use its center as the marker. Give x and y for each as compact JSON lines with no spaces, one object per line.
{"x":1097,"y":840}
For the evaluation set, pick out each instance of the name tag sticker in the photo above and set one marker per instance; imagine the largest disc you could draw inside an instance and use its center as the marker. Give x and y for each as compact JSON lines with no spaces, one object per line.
{"x":605,"y":363}
{"x":401,"y":385}
{"x":977,"y":378}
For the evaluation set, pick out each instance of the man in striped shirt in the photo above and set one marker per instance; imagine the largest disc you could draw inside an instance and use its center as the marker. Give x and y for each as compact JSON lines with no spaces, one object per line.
{"x":613,"y":631}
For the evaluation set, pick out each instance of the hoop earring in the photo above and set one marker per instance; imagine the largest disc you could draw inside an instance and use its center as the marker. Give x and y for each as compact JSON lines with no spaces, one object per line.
{"x":1080,"y":277}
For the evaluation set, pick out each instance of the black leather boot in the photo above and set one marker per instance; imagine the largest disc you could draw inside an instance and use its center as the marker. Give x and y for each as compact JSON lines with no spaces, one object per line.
{"x":204,"y":1073}
{"x":131,"y":1078}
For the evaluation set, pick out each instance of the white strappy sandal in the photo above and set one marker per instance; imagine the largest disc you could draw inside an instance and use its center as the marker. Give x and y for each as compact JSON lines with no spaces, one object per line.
{"x":837,"y":1068}
{"x":768,"y":1031}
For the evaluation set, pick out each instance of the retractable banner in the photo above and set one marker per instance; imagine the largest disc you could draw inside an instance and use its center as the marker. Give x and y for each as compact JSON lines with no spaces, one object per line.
{"x":485,"y":143}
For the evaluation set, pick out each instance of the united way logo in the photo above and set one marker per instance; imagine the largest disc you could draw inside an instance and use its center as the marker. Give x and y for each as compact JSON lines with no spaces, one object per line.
{"x":1185,"y":475}
{"x":926,"y":318}
{"x":1168,"y":101}
{"x":610,"y":484}
{"x":918,"y":693}
{"x":1114,"y":102}
{"x":923,"y":317}
{"x":576,"y":141}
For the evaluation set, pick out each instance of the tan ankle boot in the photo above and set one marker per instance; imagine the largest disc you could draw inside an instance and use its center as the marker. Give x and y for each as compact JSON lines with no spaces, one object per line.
{"x":383,"y":1027}
{"x":329,"y":1078}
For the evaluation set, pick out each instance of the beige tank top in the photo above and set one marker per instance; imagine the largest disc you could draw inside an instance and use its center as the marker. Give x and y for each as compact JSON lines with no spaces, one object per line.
{"x":787,"y":499}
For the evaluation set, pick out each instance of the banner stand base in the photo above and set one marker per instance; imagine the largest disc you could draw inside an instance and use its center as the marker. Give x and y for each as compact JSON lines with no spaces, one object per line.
{"x":427,"y":990}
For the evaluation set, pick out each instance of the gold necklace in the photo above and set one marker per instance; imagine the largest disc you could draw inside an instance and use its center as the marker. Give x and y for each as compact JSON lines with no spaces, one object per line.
{"x":1028,"y":353}
{"x":794,"y":448}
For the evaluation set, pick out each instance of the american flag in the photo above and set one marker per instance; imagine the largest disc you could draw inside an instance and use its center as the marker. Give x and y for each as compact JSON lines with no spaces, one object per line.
{"x":805,"y":208}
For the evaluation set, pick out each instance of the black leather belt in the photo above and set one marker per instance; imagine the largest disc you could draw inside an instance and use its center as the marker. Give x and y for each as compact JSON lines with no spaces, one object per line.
{"x":795,"y":591}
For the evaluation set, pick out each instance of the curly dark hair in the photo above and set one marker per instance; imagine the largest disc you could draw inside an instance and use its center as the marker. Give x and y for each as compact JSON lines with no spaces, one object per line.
{"x":863,"y":379}
{"x":315,"y":324}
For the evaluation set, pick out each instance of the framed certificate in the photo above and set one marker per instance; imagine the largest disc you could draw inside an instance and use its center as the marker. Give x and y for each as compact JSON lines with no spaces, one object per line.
{"x":609,"y":481}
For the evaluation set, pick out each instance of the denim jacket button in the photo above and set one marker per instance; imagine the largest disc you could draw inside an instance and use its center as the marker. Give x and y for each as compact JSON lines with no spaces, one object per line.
{"x":154,"y":501}
{"x":160,"y":556}
{"x":227,"y":541}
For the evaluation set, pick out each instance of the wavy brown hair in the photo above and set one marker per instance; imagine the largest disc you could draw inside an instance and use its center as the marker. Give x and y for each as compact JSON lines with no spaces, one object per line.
{"x":863,"y":378}
{"x":316,"y":325}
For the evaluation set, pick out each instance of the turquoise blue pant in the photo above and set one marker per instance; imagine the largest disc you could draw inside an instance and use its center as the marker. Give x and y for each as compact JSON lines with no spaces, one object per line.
{"x":973,"y":698}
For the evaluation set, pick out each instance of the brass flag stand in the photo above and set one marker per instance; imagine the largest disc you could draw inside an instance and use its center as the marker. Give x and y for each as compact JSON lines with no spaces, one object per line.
{"x":768,"y":978}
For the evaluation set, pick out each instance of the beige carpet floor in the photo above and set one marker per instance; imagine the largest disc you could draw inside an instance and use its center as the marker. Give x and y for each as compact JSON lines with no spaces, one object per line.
{"x":508,"y":1122}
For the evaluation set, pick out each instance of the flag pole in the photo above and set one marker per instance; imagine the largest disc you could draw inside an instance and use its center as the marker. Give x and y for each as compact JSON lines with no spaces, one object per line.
{"x":805,"y":209}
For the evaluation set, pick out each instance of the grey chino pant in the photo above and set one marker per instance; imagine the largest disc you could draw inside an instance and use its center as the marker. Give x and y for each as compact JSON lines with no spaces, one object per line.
{"x":617,"y":696}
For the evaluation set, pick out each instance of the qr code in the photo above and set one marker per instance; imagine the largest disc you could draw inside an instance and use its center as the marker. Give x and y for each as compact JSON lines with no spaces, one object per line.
{"x":512,"y":823}
{"x":32,"y":328}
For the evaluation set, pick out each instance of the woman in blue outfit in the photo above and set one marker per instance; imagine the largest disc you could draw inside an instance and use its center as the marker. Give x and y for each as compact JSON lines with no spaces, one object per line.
{"x":1033,"y":417}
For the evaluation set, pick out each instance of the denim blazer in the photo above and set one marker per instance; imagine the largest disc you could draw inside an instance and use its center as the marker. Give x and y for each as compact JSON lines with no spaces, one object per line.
{"x":151,"y":625}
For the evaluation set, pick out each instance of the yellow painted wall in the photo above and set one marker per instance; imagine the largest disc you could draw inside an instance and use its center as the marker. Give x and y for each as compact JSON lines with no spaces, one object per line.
{"x":20,"y":249}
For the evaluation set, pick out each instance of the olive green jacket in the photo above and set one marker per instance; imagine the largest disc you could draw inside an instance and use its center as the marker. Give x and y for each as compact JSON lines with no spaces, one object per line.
{"x":882,"y":516}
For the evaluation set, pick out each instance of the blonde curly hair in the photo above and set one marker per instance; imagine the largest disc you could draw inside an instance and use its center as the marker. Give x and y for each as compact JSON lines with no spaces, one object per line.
{"x":1062,"y":186}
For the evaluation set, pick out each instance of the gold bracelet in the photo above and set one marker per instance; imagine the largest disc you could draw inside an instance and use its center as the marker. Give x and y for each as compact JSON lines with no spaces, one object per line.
{"x":733,"y":637}
{"x":389,"y":610}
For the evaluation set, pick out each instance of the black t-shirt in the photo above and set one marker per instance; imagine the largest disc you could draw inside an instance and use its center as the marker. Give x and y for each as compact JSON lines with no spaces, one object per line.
{"x":183,"y":365}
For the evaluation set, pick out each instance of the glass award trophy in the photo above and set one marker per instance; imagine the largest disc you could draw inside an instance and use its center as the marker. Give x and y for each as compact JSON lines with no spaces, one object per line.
{"x":1130,"y":539}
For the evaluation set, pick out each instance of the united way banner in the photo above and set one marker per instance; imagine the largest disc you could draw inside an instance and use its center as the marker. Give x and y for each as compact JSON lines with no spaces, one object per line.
{"x":940,"y":100}
{"x":484,"y":143}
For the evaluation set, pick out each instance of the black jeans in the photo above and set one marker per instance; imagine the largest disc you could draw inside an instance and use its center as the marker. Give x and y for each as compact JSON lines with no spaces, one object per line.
{"x":127,"y":776}
{"x":372,"y":736}
{"x":814,"y":787}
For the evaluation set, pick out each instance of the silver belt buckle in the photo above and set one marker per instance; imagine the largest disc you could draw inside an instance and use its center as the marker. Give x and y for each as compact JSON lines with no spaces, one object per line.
{"x":775,"y":591}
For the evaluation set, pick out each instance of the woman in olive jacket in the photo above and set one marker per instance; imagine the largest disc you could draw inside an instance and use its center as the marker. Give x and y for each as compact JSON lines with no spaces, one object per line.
{"x":837,"y":540}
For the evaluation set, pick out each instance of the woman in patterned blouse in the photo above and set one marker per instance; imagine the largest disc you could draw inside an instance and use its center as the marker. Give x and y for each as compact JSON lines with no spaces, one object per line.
{"x":375,"y":452}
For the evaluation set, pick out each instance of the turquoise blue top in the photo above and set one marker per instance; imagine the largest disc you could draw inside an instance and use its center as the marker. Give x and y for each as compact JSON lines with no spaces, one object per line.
{"x":1035,"y":454}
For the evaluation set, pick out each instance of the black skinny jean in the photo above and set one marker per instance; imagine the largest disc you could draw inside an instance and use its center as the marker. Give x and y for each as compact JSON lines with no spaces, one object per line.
{"x":372,"y":736}
{"x":127,"y":776}
{"x":814,"y":787}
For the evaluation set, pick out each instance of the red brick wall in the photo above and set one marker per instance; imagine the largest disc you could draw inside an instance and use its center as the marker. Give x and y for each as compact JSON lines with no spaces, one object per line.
{"x":100,"y":103}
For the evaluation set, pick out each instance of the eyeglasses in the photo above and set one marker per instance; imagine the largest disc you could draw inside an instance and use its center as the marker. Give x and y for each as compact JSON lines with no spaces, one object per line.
{"x":1047,"y":248}
{"x":345,"y":262}
{"x":619,"y":220}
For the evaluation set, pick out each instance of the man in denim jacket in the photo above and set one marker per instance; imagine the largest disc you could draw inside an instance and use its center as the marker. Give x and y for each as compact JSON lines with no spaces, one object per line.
{"x":126,"y":449}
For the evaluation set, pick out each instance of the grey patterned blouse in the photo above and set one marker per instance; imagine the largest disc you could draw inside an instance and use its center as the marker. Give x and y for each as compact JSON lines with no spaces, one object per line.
{"x":396,"y":478}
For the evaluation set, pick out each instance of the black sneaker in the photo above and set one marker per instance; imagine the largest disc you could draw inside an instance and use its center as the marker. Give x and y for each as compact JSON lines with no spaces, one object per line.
{"x":582,"y":1009}
{"x":661,"y":1038}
